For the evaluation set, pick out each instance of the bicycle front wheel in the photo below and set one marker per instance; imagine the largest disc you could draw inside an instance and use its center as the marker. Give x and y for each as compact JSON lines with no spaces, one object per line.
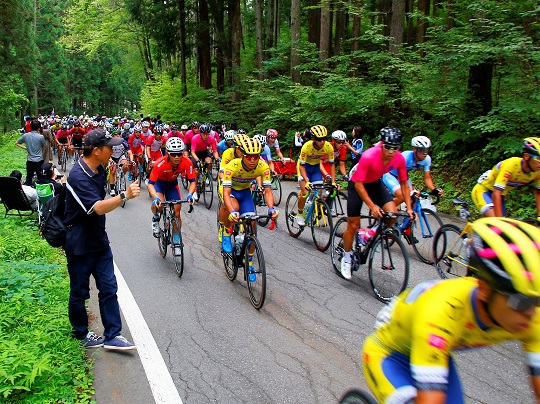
{"x":357,"y":396}
{"x":276,"y":190}
{"x":184,"y":181}
{"x":291,"y":211}
{"x":231,"y":268}
{"x":64,"y":158}
{"x":450,"y":252}
{"x":336,"y":244}
{"x":208,"y":190}
{"x":321,"y":225}
{"x":177,"y":250}
{"x":215,"y":169}
{"x":422,"y":232}
{"x":388,"y":267}
{"x":256,"y":276}
{"x":163,"y":238}
{"x":262,"y":210}
{"x":121,"y":185}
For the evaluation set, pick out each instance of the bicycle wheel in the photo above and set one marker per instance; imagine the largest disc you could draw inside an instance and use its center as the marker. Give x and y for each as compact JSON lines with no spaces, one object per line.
{"x":276,"y":190}
{"x":336,"y":244}
{"x":184,"y":181}
{"x":231,"y":267}
{"x":208,"y":190}
{"x":388,"y":267}
{"x":261,"y":209}
{"x":291,"y":210}
{"x":64,"y":159}
{"x":321,"y":225}
{"x":339,"y":207}
{"x":357,"y":396}
{"x":121,"y":185}
{"x":135,"y":171}
{"x":450,"y":252}
{"x":257,"y":288}
{"x":163,"y":238}
{"x":141,"y":174}
{"x":422,"y":232}
{"x":178,"y":258}
{"x":215,"y":169}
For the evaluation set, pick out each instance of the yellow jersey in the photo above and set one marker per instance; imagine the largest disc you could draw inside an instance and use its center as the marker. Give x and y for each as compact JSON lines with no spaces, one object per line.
{"x":508,"y":174}
{"x":235,"y":176}
{"x":226,"y":157}
{"x":429,"y":321}
{"x":310,"y":155}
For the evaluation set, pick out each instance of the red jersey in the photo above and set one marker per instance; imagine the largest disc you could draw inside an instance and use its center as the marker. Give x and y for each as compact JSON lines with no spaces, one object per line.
{"x":155,"y":147}
{"x":136,"y":144}
{"x":163,"y":170}
{"x":340,"y":155}
{"x":77,"y":132}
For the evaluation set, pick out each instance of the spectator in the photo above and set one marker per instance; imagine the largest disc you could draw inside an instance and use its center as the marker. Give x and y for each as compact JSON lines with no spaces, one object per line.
{"x":87,"y":246}
{"x":30,"y":192}
{"x":51,"y":176}
{"x":49,"y":140}
{"x":357,"y":145}
{"x":35,"y":145}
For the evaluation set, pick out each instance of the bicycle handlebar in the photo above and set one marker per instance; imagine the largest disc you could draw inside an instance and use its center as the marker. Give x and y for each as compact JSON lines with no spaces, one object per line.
{"x":435,"y":193}
{"x":177,"y":202}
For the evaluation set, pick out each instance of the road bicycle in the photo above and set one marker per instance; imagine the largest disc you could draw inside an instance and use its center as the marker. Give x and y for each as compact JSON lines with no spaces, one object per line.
{"x":277,"y":189}
{"x":120,"y":182}
{"x":317,"y":216}
{"x":205,"y":186}
{"x":357,"y":396}
{"x":76,"y":155}
{"x":245,"y":245}
{"x":167,"y":223}
{"x":215,"y":168}
{"x":63,"y":158}
{"x":420,"y":233}
{"x":387,"y":257}
{"x":337,"y":201}
{"x":138,"y":169}
{"x":261,"y":207}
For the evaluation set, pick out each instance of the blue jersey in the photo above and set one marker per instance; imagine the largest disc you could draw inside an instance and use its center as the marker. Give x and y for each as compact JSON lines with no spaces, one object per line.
{"x":411,"y":164}
{"x":266,"y":153}
{"x":222,"y":146}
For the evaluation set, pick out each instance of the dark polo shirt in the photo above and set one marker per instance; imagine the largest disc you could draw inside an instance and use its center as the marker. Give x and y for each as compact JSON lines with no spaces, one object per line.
{"x":86,"y":232}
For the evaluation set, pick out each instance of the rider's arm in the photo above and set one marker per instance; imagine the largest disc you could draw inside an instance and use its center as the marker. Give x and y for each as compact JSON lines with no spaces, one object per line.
{"x":280,"y":155}
{"x":496,"y":196}
{"x":152,"y":191}
{"x":428,"y":181}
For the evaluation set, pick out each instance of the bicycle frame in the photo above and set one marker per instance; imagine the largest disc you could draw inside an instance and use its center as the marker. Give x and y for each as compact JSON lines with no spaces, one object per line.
{"x":314,"y":208}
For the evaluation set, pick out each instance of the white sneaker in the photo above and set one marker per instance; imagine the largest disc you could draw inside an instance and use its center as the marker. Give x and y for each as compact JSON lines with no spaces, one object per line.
{"x":195,"y":196}
{"x":113,"y":192}
{"x":177,"y":251}
{"x":346,"y":269}
{"x":146,"y":182}
{"x":300,"y":220}
{"x":155,"y":228}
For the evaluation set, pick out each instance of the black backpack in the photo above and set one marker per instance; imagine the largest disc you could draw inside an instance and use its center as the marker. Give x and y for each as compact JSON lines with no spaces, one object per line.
{"x":53,"y":228}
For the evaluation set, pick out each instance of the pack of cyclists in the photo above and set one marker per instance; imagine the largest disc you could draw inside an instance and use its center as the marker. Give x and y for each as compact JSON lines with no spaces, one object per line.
{"x":408,"y":358}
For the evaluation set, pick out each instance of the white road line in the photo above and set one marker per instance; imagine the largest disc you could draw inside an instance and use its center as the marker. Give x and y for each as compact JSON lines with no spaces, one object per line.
{"x":158,"y":375}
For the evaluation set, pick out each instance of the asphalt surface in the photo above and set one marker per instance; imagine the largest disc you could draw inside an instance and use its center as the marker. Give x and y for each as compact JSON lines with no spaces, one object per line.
{"x":303,"y":346}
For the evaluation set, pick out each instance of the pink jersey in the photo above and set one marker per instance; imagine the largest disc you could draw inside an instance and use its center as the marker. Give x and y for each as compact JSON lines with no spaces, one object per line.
{"x":199,"y":145}
{"x":188,"y":136}
{"x":371,"y":168}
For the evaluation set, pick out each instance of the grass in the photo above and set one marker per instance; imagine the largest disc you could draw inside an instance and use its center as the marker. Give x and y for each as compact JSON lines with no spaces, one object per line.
{"x":39,"y":361}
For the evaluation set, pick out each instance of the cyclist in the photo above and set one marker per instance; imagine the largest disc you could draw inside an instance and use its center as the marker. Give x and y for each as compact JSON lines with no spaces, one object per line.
{"x":232,"y":153}
{"x":365,"y":185}
{"x":410,"y":355}
{"x":201,"y":144}
{"x":272,"y":142}
{"x":189,"y":135}
{"x":309,"y":166}
{"x":118,"y":156}
{"x":183,"y":130}
{"x":62,"y":138}
{"x":146,"y":132}
{"x":237,"y":179}
{"x":175,"y":132}
{"x":136,"y":144}
{"x":153,"y":146}
{"x":76,"y":133}
{"x":126,"y":131}
{"x":339,"y":140}
{"x":227,"y":142}
{"x":488,"y":195}
{"x":416,"y":158}
{"x":163,"y":183}
{"x":266,"y":153}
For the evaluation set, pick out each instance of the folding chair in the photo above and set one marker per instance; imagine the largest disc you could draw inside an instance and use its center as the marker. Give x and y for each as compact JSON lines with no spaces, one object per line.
{"x":14,"y":198}
{"x":45,"y":192}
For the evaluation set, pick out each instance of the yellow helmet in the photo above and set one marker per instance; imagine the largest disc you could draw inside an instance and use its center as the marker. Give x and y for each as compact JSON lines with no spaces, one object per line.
{"x":531,"y":145}
{"x":250,"y":146}
{"x":505,"y":253}
{"x":319,"y":131}
{"x":237,"y":139}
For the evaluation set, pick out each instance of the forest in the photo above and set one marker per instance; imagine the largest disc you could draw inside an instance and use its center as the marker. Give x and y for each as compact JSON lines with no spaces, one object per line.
{"x":464,"y":73}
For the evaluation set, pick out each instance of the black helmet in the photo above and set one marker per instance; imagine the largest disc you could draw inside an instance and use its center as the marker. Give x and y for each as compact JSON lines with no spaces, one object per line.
{"x":391,"y":136}
{"x":195,"y":124}
{"x":205,"y":128}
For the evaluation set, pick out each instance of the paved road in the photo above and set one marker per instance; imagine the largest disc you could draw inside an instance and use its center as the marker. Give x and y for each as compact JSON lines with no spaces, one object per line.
{"x":303,"y":346}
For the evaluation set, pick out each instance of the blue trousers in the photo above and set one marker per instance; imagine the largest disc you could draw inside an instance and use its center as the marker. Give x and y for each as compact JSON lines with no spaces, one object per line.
{"x":100,"y":266}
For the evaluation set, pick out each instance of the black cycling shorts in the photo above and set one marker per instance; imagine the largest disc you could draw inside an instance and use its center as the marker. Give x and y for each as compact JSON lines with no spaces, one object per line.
{"x":376,"y":190}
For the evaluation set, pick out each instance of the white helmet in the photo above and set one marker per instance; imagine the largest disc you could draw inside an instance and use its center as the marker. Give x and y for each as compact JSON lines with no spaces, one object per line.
{"x":137,"y":128}
{"x":175,"y":145}
{"x":184,"y":127}
{"x":339,"y":135}
{"x":260,"y":138}
{"x":126,"y":126}
{"x":146,"y":124}
{"x":421,"y":141}
{"x":229,"y":135}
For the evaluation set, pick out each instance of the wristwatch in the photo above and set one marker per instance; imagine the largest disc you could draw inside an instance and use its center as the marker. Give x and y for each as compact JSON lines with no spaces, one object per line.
{"x":123,"y":196}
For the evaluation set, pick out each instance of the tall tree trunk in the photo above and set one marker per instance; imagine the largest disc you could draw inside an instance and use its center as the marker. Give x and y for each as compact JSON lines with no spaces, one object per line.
{"x":341,"y":26}
{"x":296,"y":25}
{"x":385,"y":11}
{"x":204,"y":46}
{"x":235,"y":29}
{"x":314,"y":24}
{"x":270,"y":15}
{"x":410,"y":22}
{"x":450,"y":23}
{"x":396,"y":28}
{"x":356,"y":23}
{"x":422,"y":24}
{"x":182,"y":26}
{"x":217,"y":9}
{"x":259,"y":38}
{"x":325,"y":31}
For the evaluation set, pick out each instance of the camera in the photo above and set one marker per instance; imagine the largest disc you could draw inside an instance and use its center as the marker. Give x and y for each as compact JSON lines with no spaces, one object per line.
{"x":59,"y":176}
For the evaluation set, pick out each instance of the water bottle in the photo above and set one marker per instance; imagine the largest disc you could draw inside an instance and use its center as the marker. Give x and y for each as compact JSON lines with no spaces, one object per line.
{"x":463,"y":213}
{"x":238,"y":240}
{"x":326,"y":194}
{"x":309,"y":202}
{"x":362,"y":236}
{"x":371,"y":232}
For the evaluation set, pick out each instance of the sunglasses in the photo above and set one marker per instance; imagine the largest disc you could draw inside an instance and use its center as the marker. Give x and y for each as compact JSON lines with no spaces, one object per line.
{"x":339,"y":141}
{"x":252,"y":157}
{"x":519,"y":302}
{"x":319,"y":139}
{"x":535,"y":158}
{"x":175,"y":154}
{"x":391,"y":147}
{"x":422,"y":150}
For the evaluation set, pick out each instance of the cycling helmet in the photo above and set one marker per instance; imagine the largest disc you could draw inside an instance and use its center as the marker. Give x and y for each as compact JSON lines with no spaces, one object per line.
{"x":421,"y":141}
{"x":175,"y":145}
{"x":195,"y":124}
{"x":101,"y":124}
{"x":205,"y":128}
{"x":250,"y":146}
{"x":183,"y":127}
{"x":229,"y":135}
{"x":242,"y":131}
{"x":505,"y":254}
{"x":531,"y":145}
{"x":137,"y":128}
{"x":146,"y":124}
{"x":158,"y":130}
{"x":126,"y":126}
{"x":108,"y":126}
{"x":77,"y":123}
{"x":174,"y":128}
{"x":319,"y":131}
{"x":261,"y":138}
{"x":339,"y":135}
{"x":272,"y":133}
{"x":239,"y":138}
{"x":391,"y":136}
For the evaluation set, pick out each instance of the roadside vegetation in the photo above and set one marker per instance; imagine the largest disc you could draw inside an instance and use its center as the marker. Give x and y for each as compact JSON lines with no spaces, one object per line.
{"x":39,"y":361}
